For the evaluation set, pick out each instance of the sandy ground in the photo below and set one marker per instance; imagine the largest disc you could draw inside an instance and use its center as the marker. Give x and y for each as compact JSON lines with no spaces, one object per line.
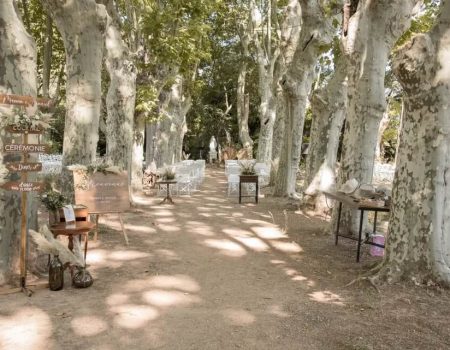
{"x":208,"y":273}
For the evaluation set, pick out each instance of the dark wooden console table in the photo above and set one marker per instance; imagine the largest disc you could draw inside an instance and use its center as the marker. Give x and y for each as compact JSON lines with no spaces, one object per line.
{"x":248,"y":179}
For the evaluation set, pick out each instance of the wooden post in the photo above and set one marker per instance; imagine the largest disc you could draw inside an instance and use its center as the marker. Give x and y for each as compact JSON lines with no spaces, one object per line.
{"x":23,"y":226}
{"x":123,"y":228}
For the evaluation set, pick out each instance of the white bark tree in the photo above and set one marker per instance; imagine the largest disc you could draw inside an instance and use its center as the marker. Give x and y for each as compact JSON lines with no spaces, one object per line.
{"x":373,"y":29}
{"x":137,"y":152}
{"x":316,"y":32}
{"x":328,"y":107}
{"x":267,"y":53}
{"x":17,"y":76}
{"x":243,"y":98}
{"x":288,"y":33}
{"x":418,"y":245}
{"x":82,"y":25}
{"x":120,"y":100}
{"x":172,"y":124}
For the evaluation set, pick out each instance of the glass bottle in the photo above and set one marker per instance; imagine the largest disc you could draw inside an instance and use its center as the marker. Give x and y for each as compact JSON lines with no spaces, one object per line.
{"x":56,"y":274}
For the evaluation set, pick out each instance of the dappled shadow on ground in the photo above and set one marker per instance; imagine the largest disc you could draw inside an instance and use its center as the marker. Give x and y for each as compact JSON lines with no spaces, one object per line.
{"x":208,"y":273}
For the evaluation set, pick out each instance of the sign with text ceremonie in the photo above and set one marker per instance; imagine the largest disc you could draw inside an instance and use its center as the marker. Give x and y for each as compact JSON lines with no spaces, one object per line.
{"x":102,"y":193}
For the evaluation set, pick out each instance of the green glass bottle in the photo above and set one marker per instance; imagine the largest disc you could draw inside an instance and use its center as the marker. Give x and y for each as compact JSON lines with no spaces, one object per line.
{"x":56,"y":274}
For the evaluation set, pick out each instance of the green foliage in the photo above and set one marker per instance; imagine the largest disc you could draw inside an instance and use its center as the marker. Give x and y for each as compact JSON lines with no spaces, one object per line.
{"x":177,"y":32}
{"x":147,"y":102}
{"x":422,"y":23}
{"x":217,"y":80}
{"x":390,"y":135}
{"x":53,"y":200}
{"x":168,"y":174}
{"x":35,"y":20}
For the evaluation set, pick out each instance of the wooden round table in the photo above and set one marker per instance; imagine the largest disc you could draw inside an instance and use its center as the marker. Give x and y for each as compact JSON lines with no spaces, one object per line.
{"x":77,"y":228}
{"x":168,"y":196}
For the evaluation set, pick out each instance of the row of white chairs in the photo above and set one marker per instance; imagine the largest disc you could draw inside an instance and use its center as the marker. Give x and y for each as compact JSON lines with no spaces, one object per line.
{"x":233,"y":170}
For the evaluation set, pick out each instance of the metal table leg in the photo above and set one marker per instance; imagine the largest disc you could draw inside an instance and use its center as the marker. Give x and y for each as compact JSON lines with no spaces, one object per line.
{"x":240,"y":198}
{"x":338,"y":222}
{"x":361,"y":221}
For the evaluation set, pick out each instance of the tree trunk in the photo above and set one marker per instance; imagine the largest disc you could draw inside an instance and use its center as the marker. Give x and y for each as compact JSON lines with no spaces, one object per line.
{"x":47,"y":59}
{"x":372,"y":31}
{"x":418,"y":245}
{"x":316,"y":32}
{"x":278,"y":134}
{"x":328,"y":107}
{"x":82,"y":26}
{"x":120,"y":100}
{"x":243,"y":98}
{"x":379,"y":151}
{"x":243,"y":108}
{"x":172,"y":124}
{"x":151,"y":132}
{"x":17,"y":76}
{"x":267,"y":112}
{"x":137,"y":155}
{"x":265,"y":61}
{"x":290,"y":33}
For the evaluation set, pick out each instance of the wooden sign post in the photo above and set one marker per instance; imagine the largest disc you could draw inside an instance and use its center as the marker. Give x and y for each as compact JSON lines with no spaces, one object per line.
{"x":24,"y":186}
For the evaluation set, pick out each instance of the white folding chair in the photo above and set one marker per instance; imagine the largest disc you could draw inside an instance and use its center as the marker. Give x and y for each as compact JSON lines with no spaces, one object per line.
{"x":184,"y":181}
{"x":233,"y":185}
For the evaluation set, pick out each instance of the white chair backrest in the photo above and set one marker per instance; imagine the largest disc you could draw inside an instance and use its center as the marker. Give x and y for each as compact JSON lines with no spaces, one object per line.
{"x":233,"y":178}
{"x":234,"y":170}
{"x":262,"y":169}
{"x":231,"y":162}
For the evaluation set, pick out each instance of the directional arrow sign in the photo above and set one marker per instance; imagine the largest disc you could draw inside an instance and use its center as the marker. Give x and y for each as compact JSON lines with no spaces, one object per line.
{"x":24,"y":148}
{"x":24,"y":167}
{"x":19,"y":100}
{"x":21,"y":129}
{"x":23,"y":186}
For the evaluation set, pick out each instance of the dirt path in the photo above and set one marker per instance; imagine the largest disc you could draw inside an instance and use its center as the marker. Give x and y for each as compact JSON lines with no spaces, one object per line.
{"x":208,"y":273}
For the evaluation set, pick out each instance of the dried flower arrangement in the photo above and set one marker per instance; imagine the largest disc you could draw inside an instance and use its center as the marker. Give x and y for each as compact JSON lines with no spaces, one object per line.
{"x":247,"y":168}
{"x":168,"y":174}
{"x":95,"y":168}
{"x":47,"y":244}
{"x":30,"y":117}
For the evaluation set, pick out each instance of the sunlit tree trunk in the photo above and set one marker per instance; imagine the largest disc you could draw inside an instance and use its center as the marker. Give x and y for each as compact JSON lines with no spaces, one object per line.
{"x":172,"y":124}
{"x":151,"y":132}
{"x":137,"y":154}
{"x":17,"y":76}
{"x":373,"y":29}
{"x":278,"y":134}
{"x":379,"y":151}
{"x":418,"y":245}
{"x":266,"y":56}
{"x":243,"y":98}
{"x":120,"y":100}
{"x":47,"y":59}
{"x":317,"y":31}
{"x":289,"y":39}
{"x":243,"y":109}
{"x":328,"y":108}
{"x":82,"y":25}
